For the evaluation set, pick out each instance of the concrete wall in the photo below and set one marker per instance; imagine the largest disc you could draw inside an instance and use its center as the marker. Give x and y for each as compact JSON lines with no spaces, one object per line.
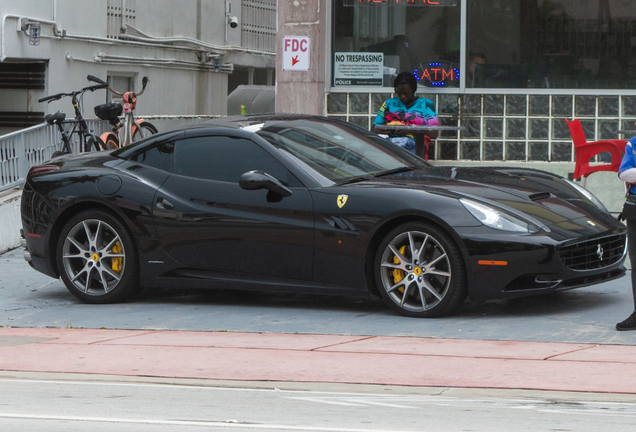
{"x":10,"y":223}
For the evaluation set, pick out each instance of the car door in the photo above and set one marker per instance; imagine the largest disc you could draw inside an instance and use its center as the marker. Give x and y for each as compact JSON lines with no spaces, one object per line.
{"x":205,"y":220}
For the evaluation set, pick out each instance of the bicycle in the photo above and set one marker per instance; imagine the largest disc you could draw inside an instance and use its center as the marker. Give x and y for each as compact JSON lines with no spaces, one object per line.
{"x":133,"y":129}
{"x":87,"y":139}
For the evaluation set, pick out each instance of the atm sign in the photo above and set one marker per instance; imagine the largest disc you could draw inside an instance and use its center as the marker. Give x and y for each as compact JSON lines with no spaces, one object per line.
{"x":438,"y":75}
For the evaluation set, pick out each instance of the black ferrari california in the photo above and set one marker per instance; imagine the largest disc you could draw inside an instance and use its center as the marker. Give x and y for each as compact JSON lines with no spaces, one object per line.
{"x":310,"y":204}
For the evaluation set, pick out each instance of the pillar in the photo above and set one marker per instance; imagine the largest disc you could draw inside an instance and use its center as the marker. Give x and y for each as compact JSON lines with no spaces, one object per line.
{"x":302,"y":91}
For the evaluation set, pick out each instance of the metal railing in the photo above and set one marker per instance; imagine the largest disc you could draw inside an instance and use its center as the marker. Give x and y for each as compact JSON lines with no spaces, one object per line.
{"x":23,"y":149}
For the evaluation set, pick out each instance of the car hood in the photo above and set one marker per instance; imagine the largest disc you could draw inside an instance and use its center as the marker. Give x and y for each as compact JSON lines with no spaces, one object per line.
{"x":547,"y":199}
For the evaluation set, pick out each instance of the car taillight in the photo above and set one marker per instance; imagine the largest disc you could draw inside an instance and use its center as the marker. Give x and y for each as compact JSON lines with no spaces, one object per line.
{"x":38,"y":169}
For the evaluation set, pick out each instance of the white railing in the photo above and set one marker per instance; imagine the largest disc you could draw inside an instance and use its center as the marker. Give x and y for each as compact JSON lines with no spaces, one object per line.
{"x":23,"y":149}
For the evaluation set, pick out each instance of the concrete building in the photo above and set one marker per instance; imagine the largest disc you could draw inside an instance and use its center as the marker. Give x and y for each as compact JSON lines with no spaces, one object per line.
{"x":194,"y":52}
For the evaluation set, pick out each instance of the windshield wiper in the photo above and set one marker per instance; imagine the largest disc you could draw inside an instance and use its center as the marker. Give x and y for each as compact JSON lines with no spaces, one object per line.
{"x":354,"y":179}
{"x":394,"y":171}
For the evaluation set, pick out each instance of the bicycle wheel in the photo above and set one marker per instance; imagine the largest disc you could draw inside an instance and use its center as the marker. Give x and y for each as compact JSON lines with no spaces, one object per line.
{"x":144,"y":130}
{"x":65,"y":148}
{"x":94,"y":143}
{"x":111,"y":144}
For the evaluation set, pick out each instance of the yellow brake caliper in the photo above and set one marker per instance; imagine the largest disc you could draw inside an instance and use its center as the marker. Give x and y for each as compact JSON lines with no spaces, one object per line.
{"x":398,"y":274}
{"x":116,"y":263}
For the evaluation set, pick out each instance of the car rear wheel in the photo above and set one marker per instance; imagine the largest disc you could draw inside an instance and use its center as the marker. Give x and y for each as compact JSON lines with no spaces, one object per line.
{"x":96,"y":258}
{"x":420,"y":272}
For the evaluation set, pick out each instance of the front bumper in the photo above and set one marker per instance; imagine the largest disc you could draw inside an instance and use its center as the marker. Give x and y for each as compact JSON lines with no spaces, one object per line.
{"x":538,"y":264}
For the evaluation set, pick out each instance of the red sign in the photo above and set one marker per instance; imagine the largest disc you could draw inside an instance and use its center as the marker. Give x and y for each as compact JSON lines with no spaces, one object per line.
{"x":438,"y":75}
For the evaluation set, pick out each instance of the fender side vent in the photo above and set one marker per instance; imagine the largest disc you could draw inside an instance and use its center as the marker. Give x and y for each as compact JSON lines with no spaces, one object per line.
{"x":339,"y":223}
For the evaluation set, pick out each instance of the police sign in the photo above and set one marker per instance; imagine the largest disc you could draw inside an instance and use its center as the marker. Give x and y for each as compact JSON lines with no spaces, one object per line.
{"x":358,"y":68}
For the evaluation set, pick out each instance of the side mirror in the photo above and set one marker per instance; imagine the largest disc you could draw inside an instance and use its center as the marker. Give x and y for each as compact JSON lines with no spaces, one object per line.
{"x":254,"y":180}
{"x":144,"y":82}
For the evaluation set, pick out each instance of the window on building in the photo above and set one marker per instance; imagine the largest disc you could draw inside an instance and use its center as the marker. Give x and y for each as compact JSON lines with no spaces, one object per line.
{"x":122,"y":83}
{"x":576,"y":44}
{"x":410,"y":36}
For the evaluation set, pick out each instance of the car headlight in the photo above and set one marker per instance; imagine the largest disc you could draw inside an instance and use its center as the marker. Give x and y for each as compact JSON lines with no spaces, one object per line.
{"x":496,"y":219}
{"x":587,"y":194}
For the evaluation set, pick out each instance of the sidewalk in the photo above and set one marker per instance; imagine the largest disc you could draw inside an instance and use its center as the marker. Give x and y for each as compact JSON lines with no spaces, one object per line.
{"x":402,"y":361}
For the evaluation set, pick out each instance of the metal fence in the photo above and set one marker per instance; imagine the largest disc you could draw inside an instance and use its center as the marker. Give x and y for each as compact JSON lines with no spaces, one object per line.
{"x":23,"y":149}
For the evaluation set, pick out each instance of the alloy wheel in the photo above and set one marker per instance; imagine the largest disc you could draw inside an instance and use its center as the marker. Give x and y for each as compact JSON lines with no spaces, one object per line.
{"x":94,"y":257}
{"x":415,"y":271}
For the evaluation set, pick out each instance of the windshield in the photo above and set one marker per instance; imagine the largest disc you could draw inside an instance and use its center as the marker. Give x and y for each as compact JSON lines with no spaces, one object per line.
{"x":337,"y":151}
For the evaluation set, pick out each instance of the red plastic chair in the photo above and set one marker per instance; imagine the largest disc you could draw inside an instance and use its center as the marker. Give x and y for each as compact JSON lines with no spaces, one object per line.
{"x":584,"y":150}
{"x":421,"y":145}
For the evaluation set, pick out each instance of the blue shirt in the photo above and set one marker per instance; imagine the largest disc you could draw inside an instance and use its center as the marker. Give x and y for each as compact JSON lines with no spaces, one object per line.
{"x":629,"y":159}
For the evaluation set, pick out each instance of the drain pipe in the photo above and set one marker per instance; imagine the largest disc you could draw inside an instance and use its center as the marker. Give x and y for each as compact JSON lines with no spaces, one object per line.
{"x":122,"y":27}
{"x":145,"y":37}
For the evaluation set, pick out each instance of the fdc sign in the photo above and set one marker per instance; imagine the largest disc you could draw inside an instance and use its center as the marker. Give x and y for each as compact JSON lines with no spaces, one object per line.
{"x":296,"y":53}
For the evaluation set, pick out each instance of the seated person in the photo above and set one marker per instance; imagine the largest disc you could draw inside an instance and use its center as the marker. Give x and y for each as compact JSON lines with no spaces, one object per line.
{"x":473,"y":61}
{"x":406,"y":110}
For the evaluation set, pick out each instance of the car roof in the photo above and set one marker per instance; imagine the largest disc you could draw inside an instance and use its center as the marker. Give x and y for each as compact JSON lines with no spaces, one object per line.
{"x":241,"y":121}
{"x":237,"y":123}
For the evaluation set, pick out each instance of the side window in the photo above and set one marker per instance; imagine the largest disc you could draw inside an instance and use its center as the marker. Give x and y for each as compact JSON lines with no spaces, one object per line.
{"x":160,"y":157}
{"x":223,"y":158}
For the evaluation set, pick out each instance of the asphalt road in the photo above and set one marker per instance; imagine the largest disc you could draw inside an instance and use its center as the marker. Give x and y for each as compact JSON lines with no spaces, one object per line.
{"x":587,"y":315}
{"x":75,"y":405}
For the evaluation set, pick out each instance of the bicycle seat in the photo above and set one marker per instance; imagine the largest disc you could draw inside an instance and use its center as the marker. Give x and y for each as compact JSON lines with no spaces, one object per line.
{"x":57,"y":117}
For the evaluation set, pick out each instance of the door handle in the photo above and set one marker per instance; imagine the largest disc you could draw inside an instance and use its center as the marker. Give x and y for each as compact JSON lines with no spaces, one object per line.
{"x":164,"y":204}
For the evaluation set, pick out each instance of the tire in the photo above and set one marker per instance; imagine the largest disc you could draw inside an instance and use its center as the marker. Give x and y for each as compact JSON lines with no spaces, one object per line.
{"x":97,"y":259}
{"x":144,"y":130}
{"x":427,"y":284}
{"x":57,"y":153}
{"x":94,"y":143}
{"x":111,"y":144}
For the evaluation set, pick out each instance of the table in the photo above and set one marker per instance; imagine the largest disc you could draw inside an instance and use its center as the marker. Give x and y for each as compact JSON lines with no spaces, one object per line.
{"x":630,"y":133}
{"x":421,"y":147}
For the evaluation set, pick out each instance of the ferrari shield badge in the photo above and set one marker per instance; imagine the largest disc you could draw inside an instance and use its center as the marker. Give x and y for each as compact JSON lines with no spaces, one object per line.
{"x":342,"y":200}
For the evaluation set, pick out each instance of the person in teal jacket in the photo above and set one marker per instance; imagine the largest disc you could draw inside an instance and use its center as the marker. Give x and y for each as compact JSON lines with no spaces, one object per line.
{"x":627,"y":173}
{"x":406,"y":110}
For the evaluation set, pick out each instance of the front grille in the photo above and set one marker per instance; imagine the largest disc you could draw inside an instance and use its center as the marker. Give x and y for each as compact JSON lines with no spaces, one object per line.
{"x":594,"y":254}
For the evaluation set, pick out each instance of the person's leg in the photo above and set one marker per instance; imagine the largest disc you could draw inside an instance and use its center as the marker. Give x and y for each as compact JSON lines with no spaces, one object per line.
{"x":630,"y":323}
{"x":404,"y":142}
{"x":631,"y":242}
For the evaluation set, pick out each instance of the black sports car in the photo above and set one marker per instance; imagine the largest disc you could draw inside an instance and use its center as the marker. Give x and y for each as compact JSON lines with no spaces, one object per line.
{"x":311,"y":204}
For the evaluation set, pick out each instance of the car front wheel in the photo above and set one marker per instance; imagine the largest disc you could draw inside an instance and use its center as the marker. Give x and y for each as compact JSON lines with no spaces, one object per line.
{"x":419,"y":271}
{"x":96,"y":258}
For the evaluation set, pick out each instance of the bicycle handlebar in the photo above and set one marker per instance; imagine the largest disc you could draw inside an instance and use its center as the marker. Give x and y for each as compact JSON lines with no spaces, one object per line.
{"x":95,"y":87}
{"x":53,"y":97}
{"x":74,"y":93}
{"x":144,"y":83}
{"x":96,"y":79}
